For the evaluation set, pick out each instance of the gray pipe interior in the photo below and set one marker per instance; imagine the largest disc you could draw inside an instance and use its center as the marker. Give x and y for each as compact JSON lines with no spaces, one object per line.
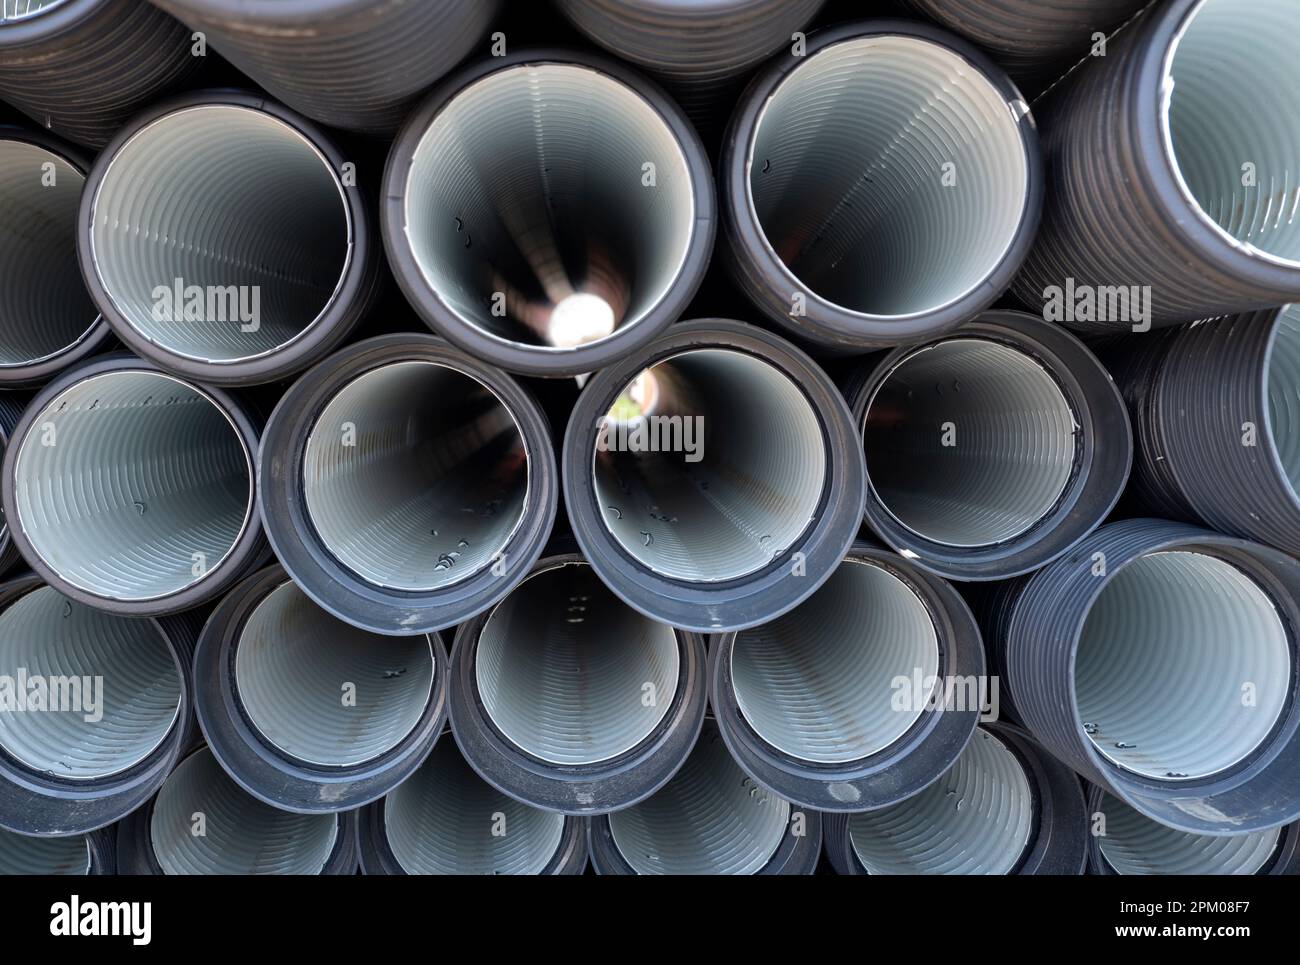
{"x":977,"y":819}
{"x":710,"y":819}
{"x":14,"y":10}
{"x":434,"y":485}
{"x":292,"y":664}
{"x":1233,"y":71}
{"x":1283,"y":382}
{"x":44,"y":308}
{"x":220,"y":196}
{"x":754,"y":485}
{"x":523,"y":184}
{"x":119,"y":672}
{"x":1013,"y":435}
{"x":817,"y":683}
{"x":1135,"y":845}
{"x":446,"y":820}
{"x":241,"y":835}
{"x":847,"y":175}
{"x":24,"y":855}
{"x":145,"y":488}
{"x":1168,"y":654}
{"x":570,"y":673}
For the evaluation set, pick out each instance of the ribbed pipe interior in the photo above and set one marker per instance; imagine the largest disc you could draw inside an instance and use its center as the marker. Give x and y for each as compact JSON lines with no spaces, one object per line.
{"x":1183,"y":666}
{"x":240,"y":835}
{"x":117,"y":671}
{"x":524,"y":184}
{"x":446,"y":820}
{"x":710,"y":819}
{"x":1233,"y":71}
{"x":145,"y":486}
{"x":817,"y":683}
{"x":571,"y":674}
{"x":292,"y":665}
{"x":977,"y":819}
{"x":1012,"y":436}
{"x":849,"y":181}
{"x":231,"y":200}
{"x":24,"y":855}
{"x":415,"y":476}
{"x":15,"y":10}
{"x":743,"y":496}
{"x":1283,"y":383}
{"x":44,"y":307}
{"x":1135,"y":845}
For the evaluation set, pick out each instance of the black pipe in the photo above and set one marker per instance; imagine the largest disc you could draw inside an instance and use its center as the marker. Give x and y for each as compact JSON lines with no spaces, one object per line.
{"x":354,"y":64}
{"x":124,"y":715}
{"x":729,"y":492}
{"x":509,"y":227}
{"x":406,"y":486}
{"x":880,"y":189}
{"x":993,"y":450}
{"x":1006,"y":807}
{"x":829,"y":706}
{"x":1172,"y":198}
{"x":226,"y":239}
{"x":94,"y":853}
{"x":82,"y":67}
{"x":11,"y":410}
{"x":308,"y":713}
{"x":568,"y":700}
{"x":1158,"y":660}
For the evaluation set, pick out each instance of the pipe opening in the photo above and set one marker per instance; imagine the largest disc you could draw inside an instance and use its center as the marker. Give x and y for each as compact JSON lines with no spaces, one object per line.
{"x":133,"y":485}
{"x":291,"y":660}
{"x":44,"y":307}
{"x":220,"y":233}
{"x":516,"y":199}
{"x":415,"y":476}
{"x":24,"y":855}
{"x":1167,"y":657}
{"x":242,"y":836}
{"x":1135,"y":845}
{"x":1229,"y":121}
{"x":889,"y":176}
{"x":715,"y":472}
{"x":1283,"y":384}
{"x":710,"y":819}
{"x":441,"y":822}
{"x":571,"y":674}
{"x":969,"y":442}
{"x":975,"y":820}
{"x":11,"y":11}
{"x":817,"y":683}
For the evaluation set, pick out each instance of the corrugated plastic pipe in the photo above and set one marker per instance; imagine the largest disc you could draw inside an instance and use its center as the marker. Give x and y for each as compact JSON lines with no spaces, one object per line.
{"x":224,"y":238}
{"x":1005,"y":808}
{"x":567,"y":699}
{"x":1158,"y":660}
{"x":713,"y":479}
{"x":407,"y":486}
{"x":11,"y":410}
{"x":308,"y":713}
{"x":82,"y":67}
{"x":446,"y":820}
{"x":710,"y":819}
{"x":102,"y":709}
{"x":202,"y":823}
{"x":1172,"y":158}
{"x":354,"y":64}
{"x":79,"y":854}
{"x":880,"y":189}
{"x":507,"y":202}
{"x":132,"y":490}
{"x":841,"y":704}
{"x":992,"y":450}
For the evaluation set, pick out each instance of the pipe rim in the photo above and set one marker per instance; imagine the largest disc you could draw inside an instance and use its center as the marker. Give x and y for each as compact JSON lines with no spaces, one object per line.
{"x":1280,"y":362}
{"x":50,"y":23}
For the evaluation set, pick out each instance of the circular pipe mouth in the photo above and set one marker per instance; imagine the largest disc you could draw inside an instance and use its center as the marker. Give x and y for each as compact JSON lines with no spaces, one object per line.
{"x":446,"y":820}
{"x":1282,"y":390}
{"x":415,"y":476}
{"x":978,"y":819}
{"x":109,"y":687}
{"x":220,"y":234}
{"x":131,"y":485}
{"x":1168,"y":651}
{"x":21,"y":854}
{"x":241,"y":836}
{"x":1136,"y":845}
